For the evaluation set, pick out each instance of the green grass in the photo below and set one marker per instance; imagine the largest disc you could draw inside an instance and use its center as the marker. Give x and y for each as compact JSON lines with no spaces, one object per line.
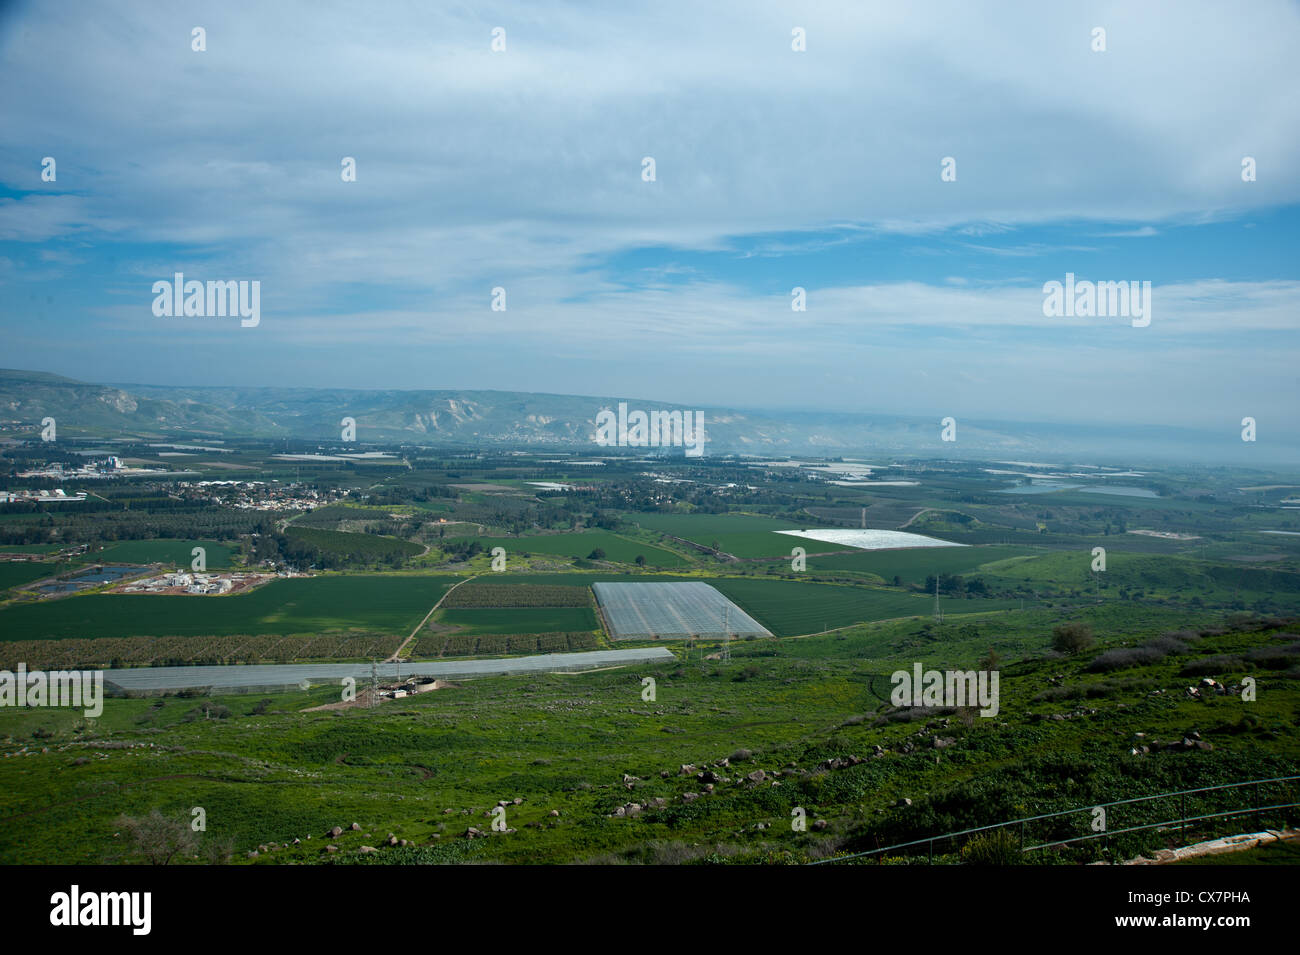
{"x":294,"y":605}
{"x":792,"y":607}
{"x":505,"y":620}
{"x":174,"y":553}
{"x":565,"y":743}
{"x":742,"y":535}
{"x":913,"y":565}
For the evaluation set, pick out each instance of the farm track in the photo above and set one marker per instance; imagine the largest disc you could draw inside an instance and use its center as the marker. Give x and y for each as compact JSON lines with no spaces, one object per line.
{"x":398,"y":652}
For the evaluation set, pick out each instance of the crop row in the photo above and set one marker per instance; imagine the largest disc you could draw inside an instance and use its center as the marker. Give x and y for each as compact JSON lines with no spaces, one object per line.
{"x":469,"y":644}
{"x":180,"y":651}
{"x":516,"y":595}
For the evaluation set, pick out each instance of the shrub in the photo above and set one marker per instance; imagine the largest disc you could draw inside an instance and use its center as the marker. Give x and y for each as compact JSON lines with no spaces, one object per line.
{"x":998,"y":847}
{"x":1209,"y":666}
{"x":1071,"y":637}
{"x":1121,"y":658}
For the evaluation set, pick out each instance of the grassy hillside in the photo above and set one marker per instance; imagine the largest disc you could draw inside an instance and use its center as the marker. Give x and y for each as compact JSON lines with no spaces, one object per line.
{"x":585,"y":745}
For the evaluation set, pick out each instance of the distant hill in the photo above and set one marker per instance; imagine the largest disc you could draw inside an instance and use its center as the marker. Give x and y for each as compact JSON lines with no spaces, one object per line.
{"x":505,"y":418}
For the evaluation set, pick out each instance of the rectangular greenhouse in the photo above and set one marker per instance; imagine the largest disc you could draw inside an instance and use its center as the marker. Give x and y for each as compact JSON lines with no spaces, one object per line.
{"x":672,"y":611}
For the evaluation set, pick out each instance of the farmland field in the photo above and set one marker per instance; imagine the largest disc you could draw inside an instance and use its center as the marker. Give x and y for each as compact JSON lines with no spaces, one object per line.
{"x":481,"y":594}
{"x":582,"y":544}
{"x":913,"y":566}
{"x":175,"y":553}
{"x":507,"y":620}
{"x":295,"y":605}
{"x":791,"y":607}
{"x":17,"y":572}
{"x":357,"y":547}
{"x":743,"y":535}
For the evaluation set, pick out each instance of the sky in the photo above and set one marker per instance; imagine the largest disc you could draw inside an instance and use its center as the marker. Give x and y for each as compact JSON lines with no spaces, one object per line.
{"x":774,"y":168}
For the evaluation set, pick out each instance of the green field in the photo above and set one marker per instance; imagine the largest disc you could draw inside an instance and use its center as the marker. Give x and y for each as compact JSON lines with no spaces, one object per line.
{"x":17,"y":572}
{"x":174,"y":553}
{"x":294,"y":605}
{"x":582,"y":544}
{"x":362,"y":548}
{"x":791,"y":607}
{"x":913,"y":565}
{"x":506,"y":620}
{"x":742,"y":535}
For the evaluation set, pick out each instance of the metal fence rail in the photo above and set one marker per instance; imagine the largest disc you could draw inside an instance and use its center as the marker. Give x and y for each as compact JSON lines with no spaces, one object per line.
{"x":1182,"y":820}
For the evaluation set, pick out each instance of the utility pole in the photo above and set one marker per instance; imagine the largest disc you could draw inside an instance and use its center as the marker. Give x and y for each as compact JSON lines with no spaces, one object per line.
{"x":938,"y":614}
{"x":726,"y":635}
{"x":374,"y":682}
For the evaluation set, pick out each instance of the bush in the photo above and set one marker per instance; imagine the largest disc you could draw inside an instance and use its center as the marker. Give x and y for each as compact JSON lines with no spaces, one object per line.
{"x":1119,"y":659}
{"x":998,"y":847}
{"x":1071,"y":637}
{"x":1214,"y":665}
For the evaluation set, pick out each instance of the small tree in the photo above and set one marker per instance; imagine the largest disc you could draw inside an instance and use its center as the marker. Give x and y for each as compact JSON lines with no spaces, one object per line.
{"x":596,"y":554}
{"x":159,"y":838}
{"x":640,"y":560}
{"x":1071,"y":637}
